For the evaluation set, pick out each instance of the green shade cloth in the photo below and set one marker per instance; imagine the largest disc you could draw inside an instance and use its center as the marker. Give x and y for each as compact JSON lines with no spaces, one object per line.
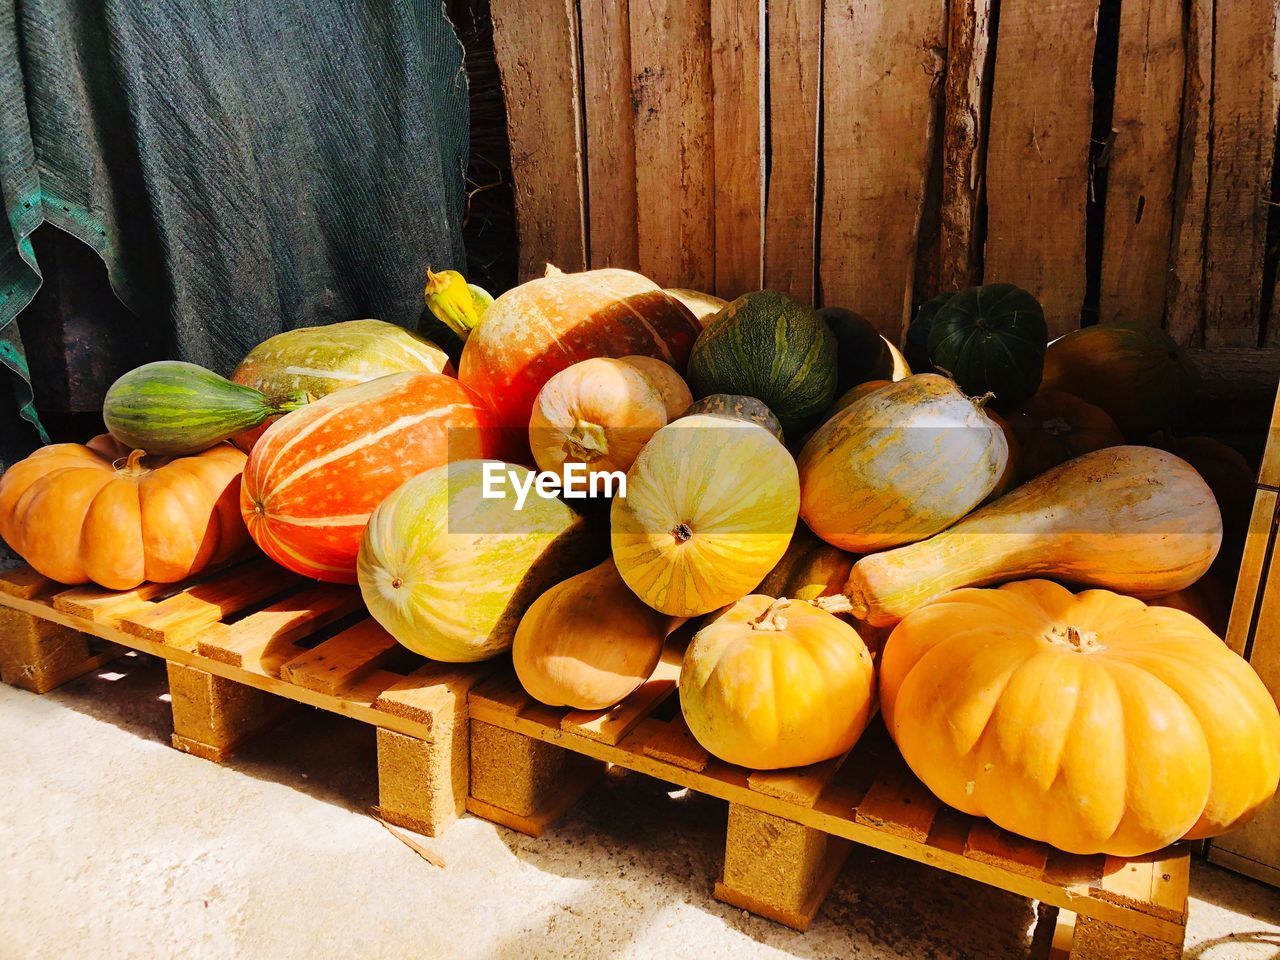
{"x":241,"y":166}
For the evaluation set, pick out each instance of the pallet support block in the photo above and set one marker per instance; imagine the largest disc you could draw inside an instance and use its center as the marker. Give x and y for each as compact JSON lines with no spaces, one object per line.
{"x":422,"y":784}
{"x":1096,"y":940}
{"x":524,"y":783}
{"x":778,"y":868}
{"x":213,"y":716}
{"x":39,"y":655}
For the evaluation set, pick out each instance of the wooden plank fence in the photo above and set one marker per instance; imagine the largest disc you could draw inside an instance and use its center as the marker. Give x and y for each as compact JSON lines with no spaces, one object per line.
{"x":869,"y":154}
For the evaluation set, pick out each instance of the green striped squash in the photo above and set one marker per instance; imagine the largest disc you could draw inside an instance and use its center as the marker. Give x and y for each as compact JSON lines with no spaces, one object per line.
{"x":737,"y":408}
{"x":174,"y":408}
{"x":990,"y":339}
{"x":768,"y":346}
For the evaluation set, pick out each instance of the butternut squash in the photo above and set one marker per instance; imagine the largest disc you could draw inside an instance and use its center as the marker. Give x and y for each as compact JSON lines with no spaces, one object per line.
{"x":588,"y":642}
{"x":1132,"y":519}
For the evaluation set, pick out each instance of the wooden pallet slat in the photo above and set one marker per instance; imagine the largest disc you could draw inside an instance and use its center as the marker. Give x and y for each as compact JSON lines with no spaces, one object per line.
{"x":342,"y":661}
{"x":177,"y":620}
{"x":1038,"y":155}
{"x":610,"y":726}
{"x":264,"y":641}
{"x":990,"y":844}
{"x":99,"y":603}
{"x":898,"y":803}
{"x":801,"y":785}
{"x":676,"y":745}
{"x":226,"y":681}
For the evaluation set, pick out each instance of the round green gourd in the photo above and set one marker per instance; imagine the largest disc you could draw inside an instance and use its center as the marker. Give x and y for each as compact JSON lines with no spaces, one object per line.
{"x":916,"y":348}
{"x":1135,"y":372}
{"x":768,"y":346}
{"x":174,"y":408}
{"x":861,"y":353}
{"x":737,"y":407}
{"x":991,"y":339}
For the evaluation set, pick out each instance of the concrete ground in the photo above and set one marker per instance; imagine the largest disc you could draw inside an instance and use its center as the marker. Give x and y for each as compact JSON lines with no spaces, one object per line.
{"x":113,"y":845}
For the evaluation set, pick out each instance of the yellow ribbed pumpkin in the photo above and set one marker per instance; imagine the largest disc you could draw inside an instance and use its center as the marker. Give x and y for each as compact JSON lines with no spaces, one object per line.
{"x":1092,"y":722}
{"x":773,"y":683}
{"x":710,"y":508}
{"x":899,"y":464}
{"x":588,"y":642}
{"x":1133,"y":519}
{"x":449,"y":572}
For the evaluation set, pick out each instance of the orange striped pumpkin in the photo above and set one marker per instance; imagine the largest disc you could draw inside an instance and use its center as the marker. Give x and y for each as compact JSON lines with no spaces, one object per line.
{"x":532,"y":332}
{"x":318,"y":473}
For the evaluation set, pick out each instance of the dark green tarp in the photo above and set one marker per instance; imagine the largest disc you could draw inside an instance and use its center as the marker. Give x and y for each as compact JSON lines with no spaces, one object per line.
{"x":241,"y":166}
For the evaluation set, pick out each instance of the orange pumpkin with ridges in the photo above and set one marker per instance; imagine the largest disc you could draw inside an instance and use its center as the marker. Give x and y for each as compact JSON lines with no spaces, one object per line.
{"x":116,"y":517}
{"x":1090,"y":721}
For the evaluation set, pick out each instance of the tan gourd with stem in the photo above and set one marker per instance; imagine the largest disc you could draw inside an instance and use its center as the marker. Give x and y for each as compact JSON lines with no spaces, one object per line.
{"x":599,"y":412}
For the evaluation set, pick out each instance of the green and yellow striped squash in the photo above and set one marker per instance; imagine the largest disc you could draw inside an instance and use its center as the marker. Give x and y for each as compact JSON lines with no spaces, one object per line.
{"x":768,"y":346}
{"x":900,"y":464}
{"x":175,"y":408}
{"x":319,"y":360}
{"x":449,"y":572}
{"x":710,"y":507}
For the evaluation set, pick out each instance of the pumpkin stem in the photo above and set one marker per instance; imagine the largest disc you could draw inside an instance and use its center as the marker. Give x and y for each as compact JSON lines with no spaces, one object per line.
{"x":132,"y":464}
{"x":1056,"y":426}
{"x":682,"y":532}
{"x":1082,"y":641}
{"x":836,"y":603}
{"x":983,"y":400}
{"x":586,"y":441}
{"x":552,"y":271}
{"x":292,"y":401}
{"x":772,"y":618}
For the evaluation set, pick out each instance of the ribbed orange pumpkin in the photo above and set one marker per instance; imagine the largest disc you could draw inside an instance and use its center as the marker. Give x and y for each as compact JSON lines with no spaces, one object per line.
{"x":317,"y":473}
{"x":535,"y":330}
{"x":1092,"y":722}
{"x":773,"y":683}
{"x":116,"y":517}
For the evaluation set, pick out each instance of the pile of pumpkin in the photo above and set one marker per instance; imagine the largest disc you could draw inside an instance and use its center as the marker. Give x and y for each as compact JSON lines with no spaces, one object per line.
{"x":844,"y":533}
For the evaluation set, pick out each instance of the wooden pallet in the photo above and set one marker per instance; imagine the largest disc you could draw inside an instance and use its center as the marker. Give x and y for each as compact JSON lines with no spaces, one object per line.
{"x":244,"y":645}
{"x":790,"y":831}
{"x":1254,"y":633}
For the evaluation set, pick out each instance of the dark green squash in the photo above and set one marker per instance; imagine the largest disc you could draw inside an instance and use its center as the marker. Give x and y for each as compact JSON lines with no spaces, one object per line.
{"x":1135,"y":372}
{"x":916,"y":349}
{"x":861,"y":353}
{"x":991,"y":339}
{"x":737,"y":407}
{"x":175,"y":408}
{"x":768,"y":346}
